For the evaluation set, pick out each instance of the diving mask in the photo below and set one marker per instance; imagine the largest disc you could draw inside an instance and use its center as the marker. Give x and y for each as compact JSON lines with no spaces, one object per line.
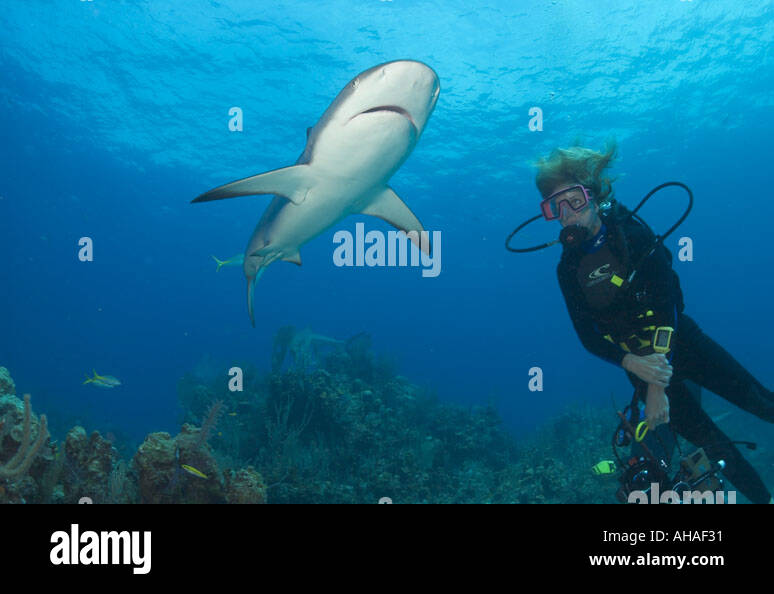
{"x":575,"y":197}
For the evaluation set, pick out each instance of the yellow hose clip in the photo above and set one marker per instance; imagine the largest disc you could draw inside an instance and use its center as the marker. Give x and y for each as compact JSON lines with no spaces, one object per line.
{"x":641,"y":431}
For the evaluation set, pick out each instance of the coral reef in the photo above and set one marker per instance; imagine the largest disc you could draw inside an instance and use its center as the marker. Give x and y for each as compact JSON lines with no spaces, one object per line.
{"x":6,"y":383}
{"x":348,"y":430}
{"x":33,"y":470}
{"x":87,"y":463}
{"x":160,"y":464}
{"x":25,"y":454}
{"x":245,"y":486}
{"x":22,"y":458}
{"x":341,"y":427}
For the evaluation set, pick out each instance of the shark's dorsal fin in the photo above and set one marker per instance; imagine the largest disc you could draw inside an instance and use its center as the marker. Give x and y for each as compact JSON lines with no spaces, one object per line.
{"x":387,"y":206}
{"x":293,"y":183}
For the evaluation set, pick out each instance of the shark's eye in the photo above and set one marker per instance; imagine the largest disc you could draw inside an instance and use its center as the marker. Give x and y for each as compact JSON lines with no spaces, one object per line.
{"x":355,"y":83}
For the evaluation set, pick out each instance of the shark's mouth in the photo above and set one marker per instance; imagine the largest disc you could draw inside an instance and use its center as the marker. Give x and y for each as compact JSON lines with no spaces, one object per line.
{"x":394,"y":108}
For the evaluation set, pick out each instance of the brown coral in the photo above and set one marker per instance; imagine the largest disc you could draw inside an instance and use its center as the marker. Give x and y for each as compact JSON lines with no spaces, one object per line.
{"x":25,"y":455}
{"x":245,"y":486}
{"x":161,"y":478}
{"x":89,"y":461}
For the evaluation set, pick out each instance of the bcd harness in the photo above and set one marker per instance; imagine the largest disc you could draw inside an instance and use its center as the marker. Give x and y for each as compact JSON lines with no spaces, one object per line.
{"x":605,"y":279}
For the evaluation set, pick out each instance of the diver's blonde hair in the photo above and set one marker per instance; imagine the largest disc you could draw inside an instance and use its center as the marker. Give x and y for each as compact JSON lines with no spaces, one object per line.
{"x":580,"y":165}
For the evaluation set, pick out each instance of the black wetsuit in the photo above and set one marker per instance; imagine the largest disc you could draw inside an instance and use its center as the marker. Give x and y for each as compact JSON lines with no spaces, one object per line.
{"x":598,"y":308}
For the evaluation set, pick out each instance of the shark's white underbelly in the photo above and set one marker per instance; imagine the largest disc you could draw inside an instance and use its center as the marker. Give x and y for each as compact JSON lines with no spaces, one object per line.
{"x":295,"y":224}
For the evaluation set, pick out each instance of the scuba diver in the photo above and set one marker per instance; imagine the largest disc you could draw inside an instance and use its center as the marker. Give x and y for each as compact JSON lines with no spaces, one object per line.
{"x":626,"y":305}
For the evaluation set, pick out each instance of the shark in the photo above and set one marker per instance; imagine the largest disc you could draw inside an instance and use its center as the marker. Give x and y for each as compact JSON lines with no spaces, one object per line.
{"x":359,"y":142}
{"x":304,"y":346}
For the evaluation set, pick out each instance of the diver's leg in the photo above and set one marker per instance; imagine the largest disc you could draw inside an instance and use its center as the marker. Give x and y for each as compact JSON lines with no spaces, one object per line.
{"x":703,"y":360}
{"x":695,"y":425}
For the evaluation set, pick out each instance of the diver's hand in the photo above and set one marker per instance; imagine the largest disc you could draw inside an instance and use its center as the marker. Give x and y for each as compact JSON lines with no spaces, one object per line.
{"x":656,"y":406}
{"x":653,"y":368}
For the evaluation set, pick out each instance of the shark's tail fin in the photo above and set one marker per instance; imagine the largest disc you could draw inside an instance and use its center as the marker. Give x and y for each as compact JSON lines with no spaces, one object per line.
{"x":251,"y":282}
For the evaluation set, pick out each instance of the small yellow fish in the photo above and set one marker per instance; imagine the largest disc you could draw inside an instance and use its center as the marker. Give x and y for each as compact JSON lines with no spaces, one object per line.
{"x":232,"y":414}
{"x":237,"y":260}
{"x":193,"y":471}
{"x":102,"y":381}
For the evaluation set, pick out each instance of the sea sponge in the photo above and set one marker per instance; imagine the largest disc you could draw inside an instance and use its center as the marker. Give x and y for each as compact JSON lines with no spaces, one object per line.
{"x":90,"y":460}
{"x":245,"y":486}
{"x":159,"y":466}
{"x":155,"y":466}
{"x":22,"y":438}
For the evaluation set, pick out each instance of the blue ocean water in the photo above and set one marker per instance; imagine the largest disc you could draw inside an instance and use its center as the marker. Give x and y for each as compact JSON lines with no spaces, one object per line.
{"x":114,"y":115}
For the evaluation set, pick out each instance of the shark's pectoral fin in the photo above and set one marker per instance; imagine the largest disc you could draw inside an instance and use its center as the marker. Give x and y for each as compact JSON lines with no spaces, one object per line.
{"x":387,"y":206}
{"x":295,"y":258}
{"x":293,"y":183}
